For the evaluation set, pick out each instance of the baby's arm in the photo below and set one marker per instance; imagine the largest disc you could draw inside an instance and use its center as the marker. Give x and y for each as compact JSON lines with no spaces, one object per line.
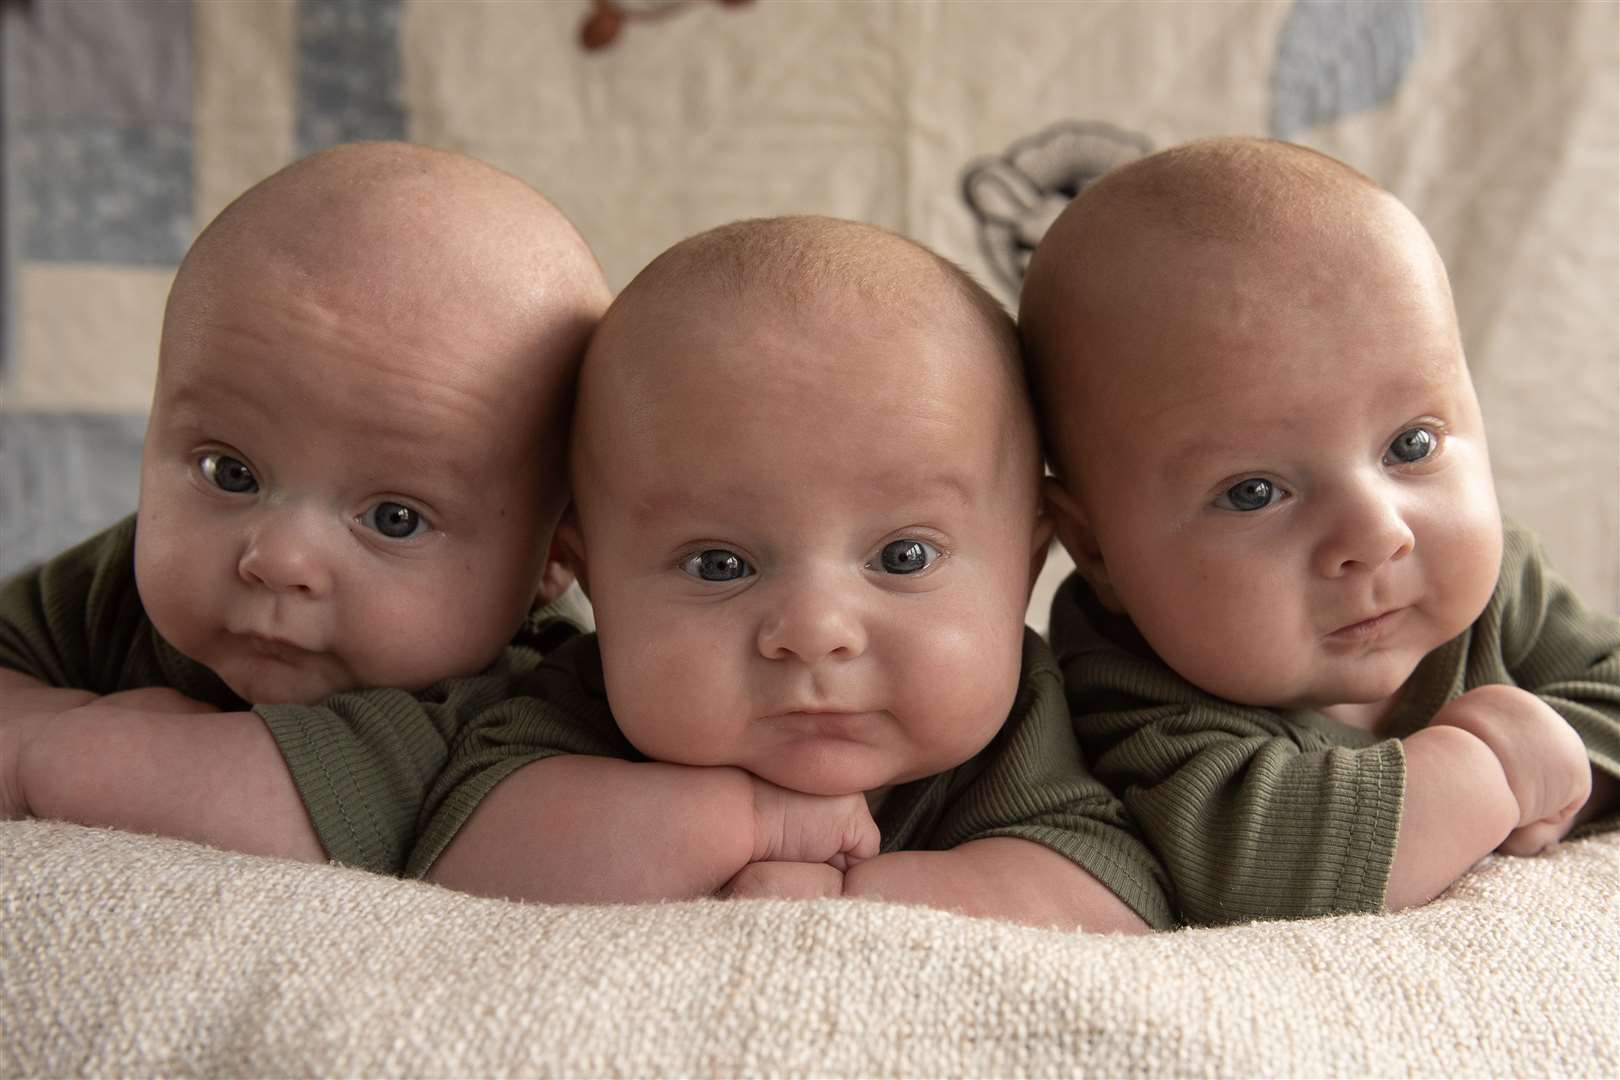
{"x":580,"y":828}
{"x":998,"y":877}
{"x":1458,"y":808}
{"x":21,"y":694}
{"x":153,"y":765}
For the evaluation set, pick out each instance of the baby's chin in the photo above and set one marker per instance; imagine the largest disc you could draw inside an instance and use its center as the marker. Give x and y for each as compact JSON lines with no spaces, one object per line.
{"x":1374,"y":688}
{"x":827,"y":771}
{"x":256,"y":685}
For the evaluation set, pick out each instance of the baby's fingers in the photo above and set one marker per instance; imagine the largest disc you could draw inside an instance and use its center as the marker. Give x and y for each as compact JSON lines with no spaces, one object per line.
{"x":784,"y":881}
{"x":1538,"y":836}
{"x":862,"y":842}
{"x":1530,"y":840}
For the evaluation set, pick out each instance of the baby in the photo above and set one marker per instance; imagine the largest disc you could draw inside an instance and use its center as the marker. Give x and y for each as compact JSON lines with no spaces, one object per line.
{"x":1299,"y":643}
{"x":808,"y":518}
{"x":352,"y":472}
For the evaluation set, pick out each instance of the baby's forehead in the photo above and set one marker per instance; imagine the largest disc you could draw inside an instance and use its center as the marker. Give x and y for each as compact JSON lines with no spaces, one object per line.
{"x":834,"y":344}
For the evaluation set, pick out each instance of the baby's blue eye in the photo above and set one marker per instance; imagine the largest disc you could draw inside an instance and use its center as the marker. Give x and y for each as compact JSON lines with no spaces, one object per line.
{"x":716,"y":564}
{"x":1413,"y":444}
{"x":906,"y":556}
{"x":1254,"y":493}
{"x":227,"y":473}
{"x":394,"y":520}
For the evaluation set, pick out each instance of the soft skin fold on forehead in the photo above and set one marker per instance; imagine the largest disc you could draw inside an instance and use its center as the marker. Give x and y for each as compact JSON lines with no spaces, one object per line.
{"x":396,"y":225}
{"x":480,"y":284}
{"x":1232,"y":228}
{"x":842,"y":277}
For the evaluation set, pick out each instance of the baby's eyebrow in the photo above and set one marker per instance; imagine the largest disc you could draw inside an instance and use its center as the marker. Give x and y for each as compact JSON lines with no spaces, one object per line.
{"x":429,"y":470}
{"x":906,"y":487}
{"x":1194,"y":454}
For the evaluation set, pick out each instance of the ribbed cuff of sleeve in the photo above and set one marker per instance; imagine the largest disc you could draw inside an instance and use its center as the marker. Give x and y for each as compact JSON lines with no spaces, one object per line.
{"x":362,"y":763}
{"x":1314,"y":837}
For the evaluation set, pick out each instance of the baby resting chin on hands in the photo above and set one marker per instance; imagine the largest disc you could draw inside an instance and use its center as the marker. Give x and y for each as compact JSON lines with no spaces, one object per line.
{"x":807,"y":516}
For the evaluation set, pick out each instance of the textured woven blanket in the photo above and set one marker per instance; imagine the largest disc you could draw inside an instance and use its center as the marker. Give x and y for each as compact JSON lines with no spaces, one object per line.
{"x":128,"y":956}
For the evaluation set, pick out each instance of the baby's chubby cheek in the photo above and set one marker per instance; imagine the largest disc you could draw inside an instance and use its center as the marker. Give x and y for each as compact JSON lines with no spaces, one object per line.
{"x":953,"y":692}
{"x":673,"y":699}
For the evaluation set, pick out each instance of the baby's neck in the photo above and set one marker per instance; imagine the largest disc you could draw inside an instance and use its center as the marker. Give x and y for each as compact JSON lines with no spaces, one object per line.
{"x":1368,"y":716}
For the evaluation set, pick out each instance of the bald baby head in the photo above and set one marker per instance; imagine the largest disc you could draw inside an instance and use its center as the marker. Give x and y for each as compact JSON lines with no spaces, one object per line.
{"x":820,"y":278}
{"x":431,"y":240}
{"x":1208,"y":238}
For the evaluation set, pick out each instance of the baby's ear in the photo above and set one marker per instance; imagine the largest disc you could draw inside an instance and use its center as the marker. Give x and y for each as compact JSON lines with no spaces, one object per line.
{"x":1040,"y":540}
{"x":565,"y":562}
{"x":554,"y":580}
{"x":1074,"y":531}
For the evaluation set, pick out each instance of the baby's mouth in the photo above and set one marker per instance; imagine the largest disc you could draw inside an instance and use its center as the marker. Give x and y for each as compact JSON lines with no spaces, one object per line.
{"x":1370,"y":628}
{"x":273,"y":648}
{"x":826,"y":723}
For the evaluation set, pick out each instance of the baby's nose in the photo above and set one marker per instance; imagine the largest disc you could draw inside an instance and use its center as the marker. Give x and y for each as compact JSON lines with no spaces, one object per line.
{"x":1368,"y":531}
{"x":285,"y":554}
{"x":811,"y":624}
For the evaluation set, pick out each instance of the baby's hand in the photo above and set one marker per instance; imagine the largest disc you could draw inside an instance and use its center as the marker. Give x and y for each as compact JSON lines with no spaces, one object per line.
{"x":784,"y":881}
{"x":790,"y":826}
{"x":1544,"y":760}
{"x":28,"y":706}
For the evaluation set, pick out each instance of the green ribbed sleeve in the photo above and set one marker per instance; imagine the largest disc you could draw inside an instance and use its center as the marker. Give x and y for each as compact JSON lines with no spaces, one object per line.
{"x":1265,"y":814}
{"x":1253,"y":816}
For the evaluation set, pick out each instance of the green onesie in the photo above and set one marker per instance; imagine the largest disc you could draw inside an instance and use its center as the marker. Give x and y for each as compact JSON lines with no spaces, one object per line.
{"x":362,"y":760}
{"x":1265,"y":814}
{"x":1030,"y":782}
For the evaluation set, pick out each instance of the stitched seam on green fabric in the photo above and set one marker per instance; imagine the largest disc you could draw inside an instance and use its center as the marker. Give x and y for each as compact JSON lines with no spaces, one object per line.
{"x":416,"y":864}
{"x":1344,"y":864}
{"x":337,"y":797}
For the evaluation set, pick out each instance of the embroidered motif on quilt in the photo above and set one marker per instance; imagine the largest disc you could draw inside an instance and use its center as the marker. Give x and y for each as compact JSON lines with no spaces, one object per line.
{"x":602,"y":26}
{"x":1015,"y":197}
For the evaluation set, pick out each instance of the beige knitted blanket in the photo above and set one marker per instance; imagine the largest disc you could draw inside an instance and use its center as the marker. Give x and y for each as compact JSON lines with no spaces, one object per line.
{"x":131,"y":956}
